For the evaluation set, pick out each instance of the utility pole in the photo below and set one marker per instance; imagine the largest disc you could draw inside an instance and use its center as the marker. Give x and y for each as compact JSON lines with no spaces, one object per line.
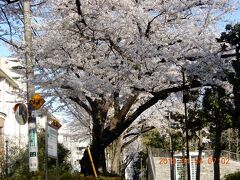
{"x":185,"y":100}
{"x":32,"y":127}
{"x":171,"y":147}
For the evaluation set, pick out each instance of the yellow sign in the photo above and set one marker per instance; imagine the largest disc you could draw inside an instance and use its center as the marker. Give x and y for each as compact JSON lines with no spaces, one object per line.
{"x":37,"y":101}
{"x":56,"y":124}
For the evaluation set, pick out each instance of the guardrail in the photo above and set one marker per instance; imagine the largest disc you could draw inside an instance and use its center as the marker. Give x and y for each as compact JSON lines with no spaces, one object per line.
{"x":231,"y":155}
{"x":224,"y":153}
{"x":159,"y":152}
{"x":163,"y":153}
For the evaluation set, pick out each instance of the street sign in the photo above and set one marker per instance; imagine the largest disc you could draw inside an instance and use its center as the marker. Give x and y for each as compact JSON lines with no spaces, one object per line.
{"x":56,"y":123}
{"x":36,"y":113}
{"x":37,"y":101}
{"x":52,"y":141}
{"x":33,"y":149}
{"x":21,"y":113}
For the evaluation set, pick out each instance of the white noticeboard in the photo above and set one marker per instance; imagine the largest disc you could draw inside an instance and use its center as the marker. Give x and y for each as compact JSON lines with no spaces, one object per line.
{"x":52,"y":141}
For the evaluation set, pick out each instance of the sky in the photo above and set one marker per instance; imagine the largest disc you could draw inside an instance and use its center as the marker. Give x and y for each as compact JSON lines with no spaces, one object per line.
{"x":4,"y":51}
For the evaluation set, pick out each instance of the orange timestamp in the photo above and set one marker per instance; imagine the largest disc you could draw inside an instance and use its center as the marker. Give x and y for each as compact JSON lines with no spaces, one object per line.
{"x":210,"y":160}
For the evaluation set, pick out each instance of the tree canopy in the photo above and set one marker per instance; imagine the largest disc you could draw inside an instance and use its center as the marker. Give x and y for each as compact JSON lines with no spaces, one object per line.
{"x":116,"y":59}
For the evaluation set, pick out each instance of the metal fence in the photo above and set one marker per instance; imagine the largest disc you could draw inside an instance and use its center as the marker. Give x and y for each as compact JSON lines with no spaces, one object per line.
{"x":231,"y":155}
{"x":208,"y":153}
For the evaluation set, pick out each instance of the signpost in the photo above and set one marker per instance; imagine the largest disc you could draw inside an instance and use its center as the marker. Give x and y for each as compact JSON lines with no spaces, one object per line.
{"x":52,"y":141}
{"x":37,"y":101}
{"x":33,"y":148}
{"x":25,"y":114}
{"x":34,"y":103}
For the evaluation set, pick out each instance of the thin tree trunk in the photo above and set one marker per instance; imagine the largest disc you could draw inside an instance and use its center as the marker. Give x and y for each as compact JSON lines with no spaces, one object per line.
{"x":217,"y":154}
{"x":200,"y":149}
{"x":199,"y":163}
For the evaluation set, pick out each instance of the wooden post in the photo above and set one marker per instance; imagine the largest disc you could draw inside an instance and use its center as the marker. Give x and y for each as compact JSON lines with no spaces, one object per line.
{"x":91,"y":160}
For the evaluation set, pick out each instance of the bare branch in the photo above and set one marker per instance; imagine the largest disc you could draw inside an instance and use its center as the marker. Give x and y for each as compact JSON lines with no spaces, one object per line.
{"x":149,"y":25}
{"x":136,"y":135}
{"x":79,"y":10}
{"x":9,"y":25}
{"x":81,"y":103}
{"x":111,"y":134}
{"x":10,"y":43}
{"x":144,"y":129}
{"x":10,"y":2}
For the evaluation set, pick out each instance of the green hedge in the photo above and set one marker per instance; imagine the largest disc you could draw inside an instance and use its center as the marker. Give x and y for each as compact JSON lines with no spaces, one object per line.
{"x":233,"y":176}
{"x":64,"y":176}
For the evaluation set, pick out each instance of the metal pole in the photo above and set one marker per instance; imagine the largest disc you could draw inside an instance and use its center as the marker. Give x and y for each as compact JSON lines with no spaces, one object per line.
{"x":32,"y":128}
{"x":186,"y":127}
{"x":19,"y":137}
{"x":57,"y":163}
{"x":46,"y":149}
{"x":6,"y":157}
{"x":171,"y":148}
{"x":57,"y":166}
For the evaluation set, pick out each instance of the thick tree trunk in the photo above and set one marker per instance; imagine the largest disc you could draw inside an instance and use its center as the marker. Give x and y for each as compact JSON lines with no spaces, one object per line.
{"x":116,"y":156}
{"x":99,"y":114}
{"x":98,"y":156}
{"x":217,"y":154}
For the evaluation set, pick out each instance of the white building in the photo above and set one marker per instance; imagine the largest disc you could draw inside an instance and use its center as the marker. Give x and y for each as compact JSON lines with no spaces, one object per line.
{"x":74,"y":143}
{"x":10,"y":85}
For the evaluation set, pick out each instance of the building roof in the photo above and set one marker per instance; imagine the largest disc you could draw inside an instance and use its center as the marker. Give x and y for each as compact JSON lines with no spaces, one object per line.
{"x":8,"y":78}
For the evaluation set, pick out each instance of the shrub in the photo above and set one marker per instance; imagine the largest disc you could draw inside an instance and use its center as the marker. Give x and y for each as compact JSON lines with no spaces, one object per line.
{"x":232,"y":176}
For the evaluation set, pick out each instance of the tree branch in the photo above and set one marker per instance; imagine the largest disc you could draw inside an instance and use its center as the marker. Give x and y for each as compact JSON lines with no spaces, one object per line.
{"x":118,"y":49}
{"x":79,"y":10}
{"x":120,"y":115}
{"x":144,"y":129}
{"x":136,"y":135}
{"x":149,"y":25}
{"x":10,"y":2}
{"x":9,"y":25}
{"x":10,"y":43}
{"x":81,"y":103}
{"x":110,"y":135}
{"x":228,"y":55}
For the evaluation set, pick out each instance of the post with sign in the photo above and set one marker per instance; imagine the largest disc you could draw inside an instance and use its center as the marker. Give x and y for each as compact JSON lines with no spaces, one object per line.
{"x":51,"y":143}
{"x":35,"y":103}
{"x":32,"y":136}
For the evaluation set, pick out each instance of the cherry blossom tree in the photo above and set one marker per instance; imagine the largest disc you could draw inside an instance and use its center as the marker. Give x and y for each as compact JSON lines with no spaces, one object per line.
{"x":116,"y":59}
